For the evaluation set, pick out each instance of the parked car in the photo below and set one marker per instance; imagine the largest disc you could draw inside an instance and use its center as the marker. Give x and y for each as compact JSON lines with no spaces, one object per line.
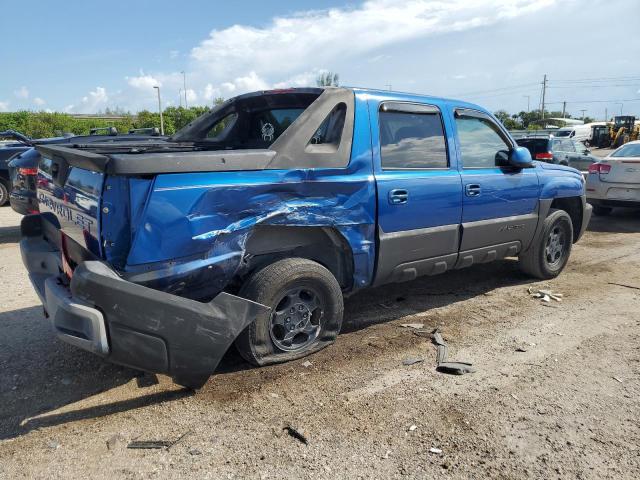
{"x":17,"y":144}
{"x":23,"y":167}
{"x":251,"y":224}
{"x":614,"y":181}
{"x":562,"y":151}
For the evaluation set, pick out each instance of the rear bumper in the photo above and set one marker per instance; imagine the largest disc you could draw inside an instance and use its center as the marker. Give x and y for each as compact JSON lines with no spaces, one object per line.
{"x":600,"y":202}
{"x":133,"y":325}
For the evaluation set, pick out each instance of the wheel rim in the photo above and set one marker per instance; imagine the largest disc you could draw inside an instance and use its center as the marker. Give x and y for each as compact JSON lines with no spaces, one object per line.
{"x":555,"y":246}
{"x":296,"y":320}
{"x":3,"y":194}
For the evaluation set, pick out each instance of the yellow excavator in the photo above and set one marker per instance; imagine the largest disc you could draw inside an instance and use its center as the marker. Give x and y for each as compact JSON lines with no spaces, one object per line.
{"x":623,"y":130}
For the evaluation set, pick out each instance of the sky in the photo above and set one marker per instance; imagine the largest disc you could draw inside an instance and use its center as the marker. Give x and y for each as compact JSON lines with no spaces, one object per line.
{"x":82,"y":57}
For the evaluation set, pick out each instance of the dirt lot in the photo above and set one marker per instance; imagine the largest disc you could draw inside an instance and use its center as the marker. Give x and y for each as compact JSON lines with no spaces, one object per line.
{"x":567,"y":407}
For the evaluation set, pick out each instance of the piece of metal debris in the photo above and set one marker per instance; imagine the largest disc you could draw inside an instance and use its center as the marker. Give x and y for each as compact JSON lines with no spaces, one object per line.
{"x":442,"y":353}
{"x":545,"y":295}
{"x":624,"y":285}
{"x":416,"y":326}
{"x":617,"y":379}
{"x":296,"y":434}
{"x":412,"y":361}
{"x":435,"y":450}
{"x":155,"y":444}
{"x":412,"y":428}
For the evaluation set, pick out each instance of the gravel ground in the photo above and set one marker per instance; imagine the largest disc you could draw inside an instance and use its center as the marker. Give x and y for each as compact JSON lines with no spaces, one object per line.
{"x":566,"y":406}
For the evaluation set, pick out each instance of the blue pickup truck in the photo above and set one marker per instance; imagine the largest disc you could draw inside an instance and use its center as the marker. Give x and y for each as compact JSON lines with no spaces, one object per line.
{"x":251,"y":224}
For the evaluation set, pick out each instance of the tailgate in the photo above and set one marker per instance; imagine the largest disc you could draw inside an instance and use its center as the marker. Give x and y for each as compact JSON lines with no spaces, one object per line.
{"x":69,"y":196}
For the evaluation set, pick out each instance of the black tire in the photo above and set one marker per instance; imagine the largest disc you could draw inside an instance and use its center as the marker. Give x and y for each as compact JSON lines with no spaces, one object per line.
{"x":293,"y":288}
{"x":601,"y":211}
{"x":4,"y":193}
{"x":546,"y":257}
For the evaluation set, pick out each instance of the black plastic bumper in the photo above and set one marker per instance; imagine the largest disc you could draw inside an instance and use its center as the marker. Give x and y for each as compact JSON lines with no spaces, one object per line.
{"x":133,"y":325}
{"x":598,"y":202}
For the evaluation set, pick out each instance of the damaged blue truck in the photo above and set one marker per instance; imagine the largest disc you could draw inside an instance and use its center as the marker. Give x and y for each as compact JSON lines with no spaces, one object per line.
{"x":250,"y":225}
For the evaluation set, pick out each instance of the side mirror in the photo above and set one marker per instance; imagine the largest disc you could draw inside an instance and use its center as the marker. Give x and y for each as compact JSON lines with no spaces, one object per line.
{"x":520,"y":157}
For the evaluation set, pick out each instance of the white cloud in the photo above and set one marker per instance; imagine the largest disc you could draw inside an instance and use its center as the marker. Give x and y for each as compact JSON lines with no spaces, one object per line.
{"x":143,"y":82}
{"x":69,"y":108}
{"x":22,"y":92}
{"x":4,"y":106}
{"x":291,"y":50}
{"x":95,"y":101}
{"x":296,"y":43}
{"x":192,"y":96}
{"x":38,"y":101}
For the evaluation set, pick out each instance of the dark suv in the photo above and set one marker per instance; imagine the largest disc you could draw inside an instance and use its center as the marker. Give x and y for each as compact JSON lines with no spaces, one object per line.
{"x":562,"y":151}
{"x":23,"y":166}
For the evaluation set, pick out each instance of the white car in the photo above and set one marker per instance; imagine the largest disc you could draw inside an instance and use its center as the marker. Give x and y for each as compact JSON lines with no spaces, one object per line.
{"x":614,"y":181}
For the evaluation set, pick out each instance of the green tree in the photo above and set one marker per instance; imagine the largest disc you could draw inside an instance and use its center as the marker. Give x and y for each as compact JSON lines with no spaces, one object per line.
{"x":328,"y":79}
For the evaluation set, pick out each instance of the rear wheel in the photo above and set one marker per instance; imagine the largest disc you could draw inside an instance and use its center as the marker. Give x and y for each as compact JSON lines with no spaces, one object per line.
{"x":601,"y":211}
{"x":4,"y":193}
{"x":306,"y":312}
{"x":547,"y":257}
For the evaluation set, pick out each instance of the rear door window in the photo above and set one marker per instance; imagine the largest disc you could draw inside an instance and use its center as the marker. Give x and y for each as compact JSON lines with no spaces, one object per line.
{"x":412,"y":140}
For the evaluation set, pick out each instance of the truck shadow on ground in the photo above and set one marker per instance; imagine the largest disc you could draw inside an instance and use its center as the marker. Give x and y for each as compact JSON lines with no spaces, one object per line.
{"x":621,"y":220}
{"x":39,"y":374}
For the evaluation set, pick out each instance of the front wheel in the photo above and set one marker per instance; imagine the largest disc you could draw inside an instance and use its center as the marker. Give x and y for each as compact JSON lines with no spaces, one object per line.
{"x":4,"y":193}
{"x":547,"y":257}
{"x":306,"y":312}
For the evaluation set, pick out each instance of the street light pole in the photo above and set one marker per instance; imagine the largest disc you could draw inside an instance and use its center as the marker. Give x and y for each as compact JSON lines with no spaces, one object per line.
{"x":184,"y":84}
{"x":180,"y":97}
{"x":160,"y":110}
{"x":528,"y":99}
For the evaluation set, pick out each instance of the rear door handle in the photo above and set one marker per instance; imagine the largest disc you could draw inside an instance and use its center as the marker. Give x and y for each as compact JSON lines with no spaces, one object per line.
{"x":472,"y":190}
{"x":398,"y":197}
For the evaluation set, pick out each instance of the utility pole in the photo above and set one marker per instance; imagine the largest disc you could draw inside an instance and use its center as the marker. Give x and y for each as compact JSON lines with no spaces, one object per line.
{"x":564,"y":109}
{"x":583,"y":110}
{"x":184,"y":83}
{"x":160,"y":110}
{"x":544,"y":94}
{"x":180,"y":97}
{"x":528,"y":99}
{"x":606,"y":115}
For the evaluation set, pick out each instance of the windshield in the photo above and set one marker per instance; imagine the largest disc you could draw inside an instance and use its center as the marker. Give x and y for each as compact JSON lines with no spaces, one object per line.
{"x":562,"y":133}
{"x":629,"y":150}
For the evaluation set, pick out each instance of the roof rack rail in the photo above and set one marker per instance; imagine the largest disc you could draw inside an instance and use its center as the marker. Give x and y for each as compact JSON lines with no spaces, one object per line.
{"x":153,"y":131}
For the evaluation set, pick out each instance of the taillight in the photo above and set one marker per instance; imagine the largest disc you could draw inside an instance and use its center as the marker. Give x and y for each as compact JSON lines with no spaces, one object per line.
{"x":544,"y":156}
{"x":28,"y":171}
{"x":601,"y":168}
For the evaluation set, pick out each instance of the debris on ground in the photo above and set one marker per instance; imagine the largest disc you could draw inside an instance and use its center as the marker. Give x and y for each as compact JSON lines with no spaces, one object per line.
{"x":412,"y":361}
{"x":294,"y":433}
{"x":53,"y":445}
{"x":444,"y":366}
{"x":155,"y":444}
{"x":412,"y":428}
{"x":521,"y":349}
{"x":307,"y":364}
{"x":435,"y":450}
{"x":416,"y":326}
{"x":624,"y":285}
{"x":114,"y":441}
{"x":617,"y":379}
{"x":195,"y":451}
{"x":545,"y":295}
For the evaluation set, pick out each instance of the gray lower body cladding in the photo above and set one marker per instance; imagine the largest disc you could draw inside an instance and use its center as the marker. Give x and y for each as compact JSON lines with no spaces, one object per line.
{"x":133,"y":325}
